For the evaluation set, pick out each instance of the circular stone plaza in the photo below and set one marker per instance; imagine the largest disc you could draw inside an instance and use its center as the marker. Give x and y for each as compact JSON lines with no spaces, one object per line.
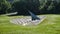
{"x":27,"y":21}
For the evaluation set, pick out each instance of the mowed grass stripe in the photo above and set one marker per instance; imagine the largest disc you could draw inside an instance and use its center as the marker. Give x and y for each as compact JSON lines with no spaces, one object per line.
{"x":51,"y":25}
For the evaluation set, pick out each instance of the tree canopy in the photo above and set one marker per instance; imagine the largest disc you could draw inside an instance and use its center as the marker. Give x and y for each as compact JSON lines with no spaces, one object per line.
{"x":4,"y":6}
{"x":24,"y":5}
{"x":36,"y":6}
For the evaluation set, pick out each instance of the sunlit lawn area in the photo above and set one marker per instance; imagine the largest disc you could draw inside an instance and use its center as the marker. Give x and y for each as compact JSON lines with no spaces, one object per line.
{"x":51,"y":25}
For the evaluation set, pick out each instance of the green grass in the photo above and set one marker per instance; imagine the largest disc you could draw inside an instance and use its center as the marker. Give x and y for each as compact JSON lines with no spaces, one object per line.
{"x":51,"y":25}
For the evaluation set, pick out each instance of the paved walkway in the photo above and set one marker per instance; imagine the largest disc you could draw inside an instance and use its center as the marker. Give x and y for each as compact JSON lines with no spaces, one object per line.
{"x":11,"y":13}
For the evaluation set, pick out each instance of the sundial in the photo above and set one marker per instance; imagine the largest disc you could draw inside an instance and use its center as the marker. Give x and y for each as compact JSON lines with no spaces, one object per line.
{"x":29,"y":20}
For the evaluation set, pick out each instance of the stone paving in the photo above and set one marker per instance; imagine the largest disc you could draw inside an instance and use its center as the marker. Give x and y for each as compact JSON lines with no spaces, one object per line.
{"x":27,"y":21}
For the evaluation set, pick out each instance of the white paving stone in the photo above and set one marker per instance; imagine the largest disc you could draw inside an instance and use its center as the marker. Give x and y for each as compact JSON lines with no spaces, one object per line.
{"x":26,"y":21}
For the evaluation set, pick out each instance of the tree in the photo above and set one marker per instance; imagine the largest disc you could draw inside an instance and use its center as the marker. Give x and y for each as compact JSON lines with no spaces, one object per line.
{"x":4,"y":6}
{"x":23,"y":5}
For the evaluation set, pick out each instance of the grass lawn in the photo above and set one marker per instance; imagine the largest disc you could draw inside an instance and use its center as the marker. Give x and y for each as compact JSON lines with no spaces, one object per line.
{"x":51,"y":25}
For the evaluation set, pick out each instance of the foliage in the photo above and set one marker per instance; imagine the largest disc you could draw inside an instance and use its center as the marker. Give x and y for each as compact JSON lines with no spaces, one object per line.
{"x":35,"y":6}
{"x":50,"y":6}
{"x":4,"y":6}
{"x":24,"y":5}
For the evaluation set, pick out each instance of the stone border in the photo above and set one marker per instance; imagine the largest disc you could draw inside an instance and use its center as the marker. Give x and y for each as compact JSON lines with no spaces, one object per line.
{"x":42,"y":20}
